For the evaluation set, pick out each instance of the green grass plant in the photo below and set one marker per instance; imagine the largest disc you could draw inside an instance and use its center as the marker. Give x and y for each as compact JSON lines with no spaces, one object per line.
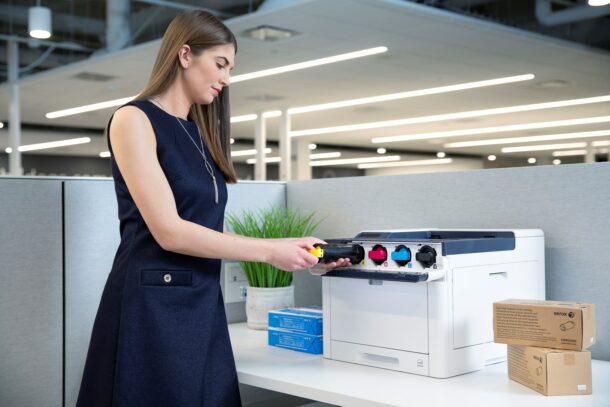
{"x":271,"y":223}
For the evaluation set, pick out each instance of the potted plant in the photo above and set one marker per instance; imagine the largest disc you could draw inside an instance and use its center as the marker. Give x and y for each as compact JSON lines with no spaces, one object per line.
{"x":269,"y":287}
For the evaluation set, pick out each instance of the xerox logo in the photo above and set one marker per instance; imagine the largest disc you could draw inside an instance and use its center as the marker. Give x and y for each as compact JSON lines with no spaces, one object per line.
{"x":560,"y":314}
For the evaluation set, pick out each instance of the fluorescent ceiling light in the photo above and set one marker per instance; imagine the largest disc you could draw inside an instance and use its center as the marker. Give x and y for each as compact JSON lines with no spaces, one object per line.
{"x":529,"y":139}
{"x":600,"y":143}
{"x":51,"y":144}
{"x":88,"y":108}
{"x":445,"y":116}
{"x":311,"y":156}
{"x":411,"y":163}
{"x":241,"y":153}
{"x":254,"y":116}
{"x":308,"y":64}
{"x":543,"y":147}
{"x":322,"y":156}
{"x":410,"y":94}
{"x":568,"y":153}
{"x":235,"y":79}
{"x":105,"y":154}
{"x":597,"y":3}
{"x":346,"y":161}
{"x":244,"y":118}
{"x":496,"y":129}
{"x":1,"y":125}
{"x":267,"y":160}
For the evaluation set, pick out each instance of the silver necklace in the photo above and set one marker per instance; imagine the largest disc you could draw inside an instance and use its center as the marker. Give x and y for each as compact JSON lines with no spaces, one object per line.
{"x":201,"y":151}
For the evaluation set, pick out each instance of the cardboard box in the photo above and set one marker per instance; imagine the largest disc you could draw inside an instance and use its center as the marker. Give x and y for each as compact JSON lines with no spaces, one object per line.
{"x":547,"y":324}
{"x":296,"y":341}
{"x":551,"y":372}
{"x":307,"y":320}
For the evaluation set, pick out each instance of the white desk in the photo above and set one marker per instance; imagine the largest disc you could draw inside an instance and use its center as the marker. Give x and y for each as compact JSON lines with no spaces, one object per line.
{"x":346,"y":384}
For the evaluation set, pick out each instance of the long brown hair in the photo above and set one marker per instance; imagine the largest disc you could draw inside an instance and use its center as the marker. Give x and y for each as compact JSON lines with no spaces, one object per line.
{"x":199,"y":30}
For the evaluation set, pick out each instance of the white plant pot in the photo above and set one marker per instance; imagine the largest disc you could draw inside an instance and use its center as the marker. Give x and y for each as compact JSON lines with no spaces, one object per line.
{"x":259,"y":301}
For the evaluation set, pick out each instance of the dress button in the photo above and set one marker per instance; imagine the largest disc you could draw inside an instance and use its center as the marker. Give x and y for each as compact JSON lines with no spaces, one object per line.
{"x":167,"y":278}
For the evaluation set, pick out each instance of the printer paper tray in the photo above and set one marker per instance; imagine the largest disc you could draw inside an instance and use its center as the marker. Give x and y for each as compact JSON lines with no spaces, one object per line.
{"x":385,"y":358}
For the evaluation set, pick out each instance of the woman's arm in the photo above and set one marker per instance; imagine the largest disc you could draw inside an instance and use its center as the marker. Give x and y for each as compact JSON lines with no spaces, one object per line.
{"x":134,"y":147}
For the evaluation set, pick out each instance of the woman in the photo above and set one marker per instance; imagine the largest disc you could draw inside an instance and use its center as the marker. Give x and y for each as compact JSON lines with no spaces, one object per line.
{"x":160,"y":336}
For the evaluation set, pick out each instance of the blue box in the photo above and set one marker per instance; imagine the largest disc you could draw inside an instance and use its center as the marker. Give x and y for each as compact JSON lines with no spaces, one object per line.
{"x":296,"y":341}
{"x":307,"y":320}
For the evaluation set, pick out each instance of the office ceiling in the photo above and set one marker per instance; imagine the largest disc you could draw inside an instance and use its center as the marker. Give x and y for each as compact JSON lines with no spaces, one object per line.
{"x":427,"y":47}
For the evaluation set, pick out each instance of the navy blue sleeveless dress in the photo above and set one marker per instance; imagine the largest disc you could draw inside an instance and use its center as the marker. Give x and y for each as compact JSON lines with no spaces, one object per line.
{"x":160,"y":337}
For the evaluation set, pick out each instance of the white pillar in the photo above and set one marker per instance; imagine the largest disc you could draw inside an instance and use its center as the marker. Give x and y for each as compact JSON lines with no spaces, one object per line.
{"x":303,"y":169}
{"x":260,"y":143}
{"x":14,"y":109}
{"x":285,"y":147}
{"x":590,"y":156}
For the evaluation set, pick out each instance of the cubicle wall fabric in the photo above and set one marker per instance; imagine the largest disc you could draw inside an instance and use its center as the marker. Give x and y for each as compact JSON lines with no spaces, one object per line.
{"x":91,"y":236}
{"x":31,"y":293}
{"x":570,"y":203}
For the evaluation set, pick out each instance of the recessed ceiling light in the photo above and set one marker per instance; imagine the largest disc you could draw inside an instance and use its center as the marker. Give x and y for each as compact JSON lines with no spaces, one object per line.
{"x":269,"y":33}
{"x":232,"y":141}
{"x":381,"y":150}
{"x":556,"y":161}
{"x":441,"y":154}
{"x":531,"y":160}
{"x":491,"y":157}
{"x":105,"y":154}
{"x":312,"y":146}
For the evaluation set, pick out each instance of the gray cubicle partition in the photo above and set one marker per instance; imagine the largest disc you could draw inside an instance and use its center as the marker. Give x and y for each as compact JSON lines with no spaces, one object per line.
{"x":30,"y":293}
{"x":91,"y":236}
{"x":571,"y":203}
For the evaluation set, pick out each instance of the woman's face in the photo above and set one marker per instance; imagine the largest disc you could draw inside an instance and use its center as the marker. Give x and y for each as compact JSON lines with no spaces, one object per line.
{"x":208,"y":73}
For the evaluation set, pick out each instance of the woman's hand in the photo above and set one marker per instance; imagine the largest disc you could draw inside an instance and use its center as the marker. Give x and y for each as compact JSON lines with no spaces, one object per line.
{"x":323,"y":268}
{"x":292,"y":254}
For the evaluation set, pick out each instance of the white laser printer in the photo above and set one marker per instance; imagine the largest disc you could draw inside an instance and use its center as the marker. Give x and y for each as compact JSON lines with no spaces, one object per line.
{"x":421,"y":300}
